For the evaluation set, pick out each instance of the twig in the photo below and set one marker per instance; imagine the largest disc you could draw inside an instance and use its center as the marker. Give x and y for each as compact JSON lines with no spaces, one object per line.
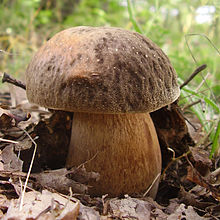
{"x":216,"y":172}
{"x":185,"y":118}
{"x":69,"y":197}
{"x":44,"y":212}
{"x":152,"y":184}
{"x":203,"y":81}
{"x":191,"y":124}
{"x":7,"y":78}
{"x":200,"y":92}
{"x":198,"y":70}
{"x":204,"y":211}
{"x":191,"y":104}
{"x":87,"y":161}
{"x":29,"y":171}
{"x":174,"y":159}
{"x":9,"y":141}
{"x":7,"y":53}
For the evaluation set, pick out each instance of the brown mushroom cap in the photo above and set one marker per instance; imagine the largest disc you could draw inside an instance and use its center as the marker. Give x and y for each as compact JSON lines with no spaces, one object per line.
{"x":101,"y":70}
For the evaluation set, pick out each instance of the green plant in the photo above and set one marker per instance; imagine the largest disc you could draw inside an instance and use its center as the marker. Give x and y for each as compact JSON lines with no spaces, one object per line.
{"x":208,"y":116}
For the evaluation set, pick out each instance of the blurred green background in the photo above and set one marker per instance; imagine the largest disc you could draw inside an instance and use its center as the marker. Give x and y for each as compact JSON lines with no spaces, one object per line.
{"x":188,"y":32}
{"x":26,"y":24}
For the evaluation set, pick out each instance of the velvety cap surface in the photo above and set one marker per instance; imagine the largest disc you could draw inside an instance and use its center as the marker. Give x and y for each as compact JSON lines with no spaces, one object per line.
{"x":101,"y":70}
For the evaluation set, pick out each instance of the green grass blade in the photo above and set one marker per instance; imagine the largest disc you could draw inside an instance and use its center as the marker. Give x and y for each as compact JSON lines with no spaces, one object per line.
{"x":132,"y":18}
{"x":214,"y":134}
{"x":206,"y":99}
{"x":215,"y":144}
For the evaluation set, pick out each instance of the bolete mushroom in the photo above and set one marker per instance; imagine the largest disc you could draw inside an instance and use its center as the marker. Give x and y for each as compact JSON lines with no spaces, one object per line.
{"x":111,"y":79}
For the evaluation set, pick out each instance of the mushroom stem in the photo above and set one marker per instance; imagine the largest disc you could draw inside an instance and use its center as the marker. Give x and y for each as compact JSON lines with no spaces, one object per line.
{"x":122,"y":148}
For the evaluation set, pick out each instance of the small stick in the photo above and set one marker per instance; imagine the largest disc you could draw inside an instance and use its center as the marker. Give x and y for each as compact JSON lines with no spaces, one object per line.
{"x":191,"y":104}
{"x":203,"y":81}
{"x":198,"y":70}
{"x":9,"y":141}
{"x":7,"y":53}
{"x":29,"y":170}
{"x":216,"y":172}
{"x":152,"y":184}
{"x":186,"y":119}
{"x":44,"y":211}
{"x":7,"y":78}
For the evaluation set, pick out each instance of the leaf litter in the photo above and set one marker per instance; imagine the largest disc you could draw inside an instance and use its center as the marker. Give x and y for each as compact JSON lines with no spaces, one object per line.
{"x":189,"y":186}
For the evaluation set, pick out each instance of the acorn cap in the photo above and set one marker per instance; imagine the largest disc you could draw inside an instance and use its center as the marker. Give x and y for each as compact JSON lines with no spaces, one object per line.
{"x":101,"y":70}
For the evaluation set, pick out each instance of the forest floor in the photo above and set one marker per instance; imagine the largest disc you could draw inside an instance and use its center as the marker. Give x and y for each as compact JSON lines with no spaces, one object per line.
{"x":35,"y":141}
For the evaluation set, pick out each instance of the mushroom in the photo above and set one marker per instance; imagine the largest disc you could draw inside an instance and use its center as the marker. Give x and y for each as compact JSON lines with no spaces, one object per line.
{"x":111,"y":79}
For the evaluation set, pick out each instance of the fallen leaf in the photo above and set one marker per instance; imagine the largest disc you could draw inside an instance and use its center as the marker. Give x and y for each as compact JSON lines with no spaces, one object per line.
{"x":184,"y":212}
{"x":87,"y":213}
{"x":194,"y":176}
{"x":12,"y":117}
{"x":10,"y":160}
{"x":201,"y":161}
{"x":45,"y":205}
{"x":58,"y":180}
{"x":6,"y":120}
{"x":130,"y":208}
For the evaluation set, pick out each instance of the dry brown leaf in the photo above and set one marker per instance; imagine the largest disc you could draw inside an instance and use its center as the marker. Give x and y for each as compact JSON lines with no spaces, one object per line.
{"x":45,"y":205}
{"x":195,"y":177}
{"x":17,"y":94}
{"x":194,"y":200}
{"x":214,"y":210}
{"x":130,"y":208}
{"x":201,"y":156}
{"x":10,"y":160}
{"x":56,"y":179}
{"x":10,"y":183}
{"x":201,"y":160}
{"x":184,"y":212}
{"x":80,"y":175}
{"x":12,"y":117}
{"x":88,"y":213}
{"x":4,"y":203}
{"x":6,"y":119}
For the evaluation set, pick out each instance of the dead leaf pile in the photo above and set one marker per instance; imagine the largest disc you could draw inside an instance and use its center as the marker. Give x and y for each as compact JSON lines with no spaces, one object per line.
{"x":189,"y":187}
{"x":45,"y":205}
